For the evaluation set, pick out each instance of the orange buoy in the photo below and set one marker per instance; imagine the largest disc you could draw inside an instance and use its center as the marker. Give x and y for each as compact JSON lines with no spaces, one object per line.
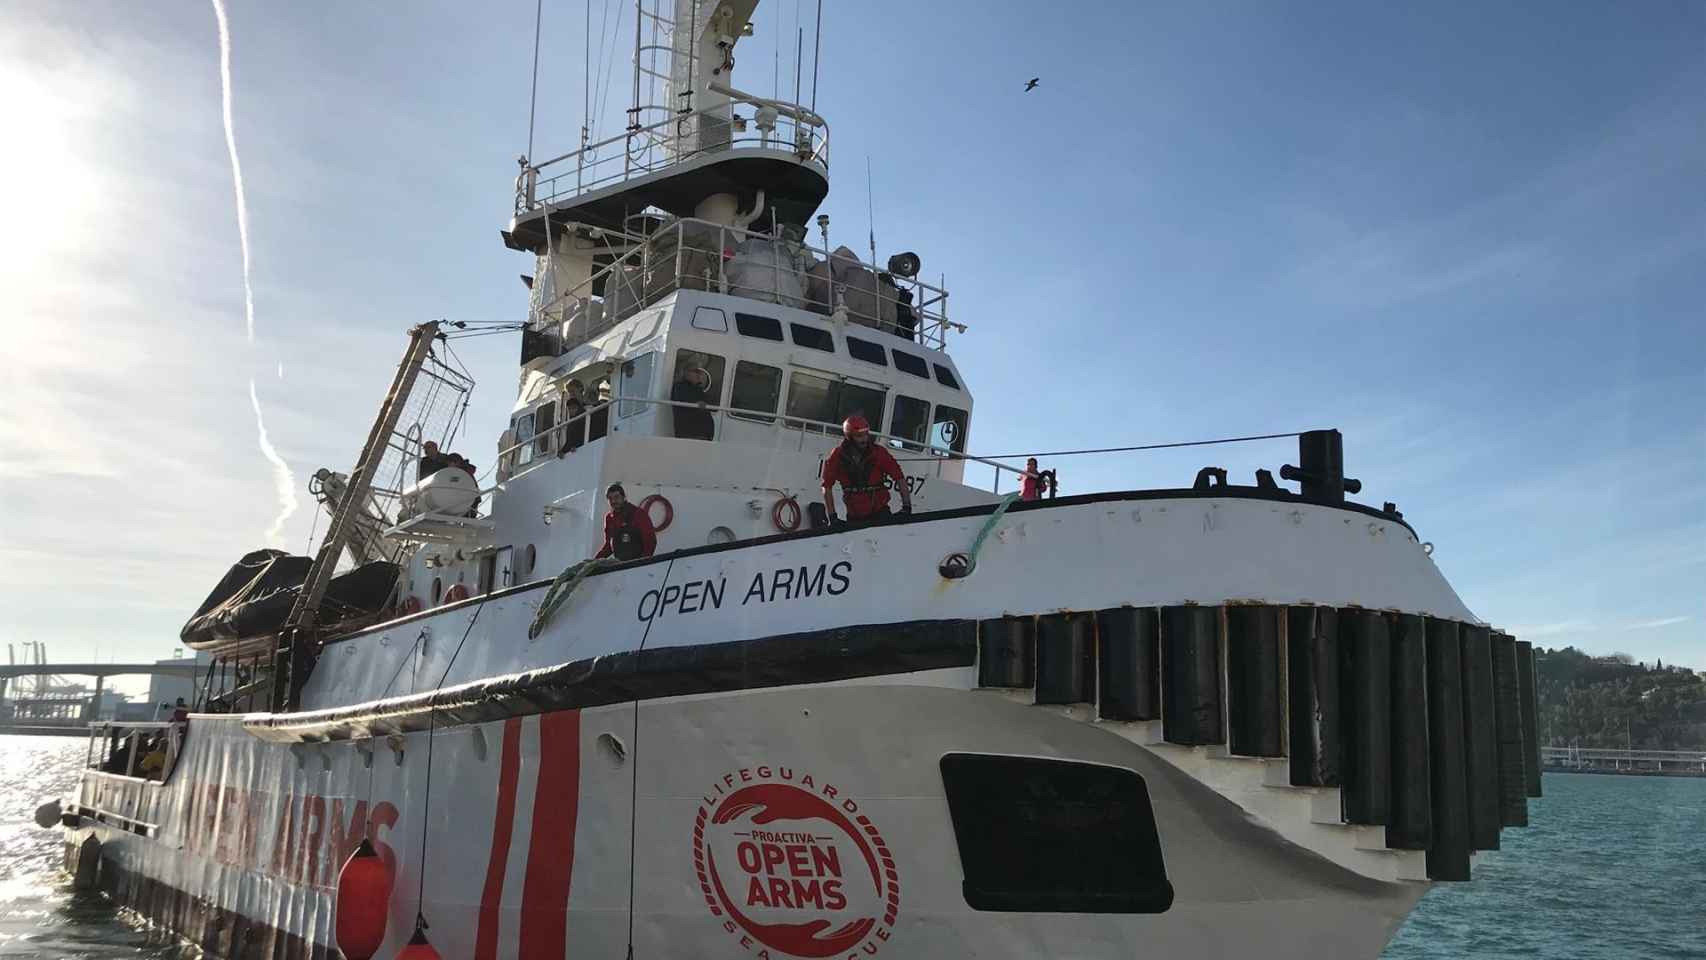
{"x":668,"y":511}
{"x":456,"y":592}
{"x":363,"y":903}
{"x":411,"y":606}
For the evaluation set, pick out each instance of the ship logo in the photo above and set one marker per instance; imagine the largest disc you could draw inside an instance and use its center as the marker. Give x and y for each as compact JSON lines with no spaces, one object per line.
{"x":793,"y":868}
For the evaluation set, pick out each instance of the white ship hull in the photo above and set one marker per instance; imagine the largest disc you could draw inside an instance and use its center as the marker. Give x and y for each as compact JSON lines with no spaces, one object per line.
{"x":575,"y":799}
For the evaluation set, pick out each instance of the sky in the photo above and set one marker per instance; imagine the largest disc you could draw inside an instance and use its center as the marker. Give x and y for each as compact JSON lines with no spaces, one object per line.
{"x":1471,"y":237}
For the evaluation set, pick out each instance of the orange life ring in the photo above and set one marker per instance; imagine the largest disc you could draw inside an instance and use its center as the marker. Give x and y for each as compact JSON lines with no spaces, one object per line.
{"x":456,"y":593}
{"x":668,"y":511}
{"x":411,"y":605}
{"x":786,"y":507}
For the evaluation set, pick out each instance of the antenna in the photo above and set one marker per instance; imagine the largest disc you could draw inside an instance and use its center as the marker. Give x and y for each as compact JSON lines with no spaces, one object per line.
{"x":870,"y":214}
{"x":817,"y":46}
{"x":799,"y":47}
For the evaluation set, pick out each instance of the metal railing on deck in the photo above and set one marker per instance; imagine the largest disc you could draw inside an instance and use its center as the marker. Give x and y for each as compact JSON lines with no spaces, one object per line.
{"x":690,"y":254}
{"x":657,"y":146}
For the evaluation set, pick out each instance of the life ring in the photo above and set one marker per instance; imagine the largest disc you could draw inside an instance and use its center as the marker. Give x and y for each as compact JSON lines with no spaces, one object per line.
{"x":668,"y":511}
{"x":788,"y":508}
{"x":411,"y":606}
{"x":456,"y":593}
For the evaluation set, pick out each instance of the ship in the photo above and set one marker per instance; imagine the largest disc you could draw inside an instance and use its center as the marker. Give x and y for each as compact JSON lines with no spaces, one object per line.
{"x":1213,"y":719}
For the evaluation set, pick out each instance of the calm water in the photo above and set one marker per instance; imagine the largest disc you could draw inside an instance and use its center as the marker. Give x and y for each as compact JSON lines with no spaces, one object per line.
{"x":1613,"y":867}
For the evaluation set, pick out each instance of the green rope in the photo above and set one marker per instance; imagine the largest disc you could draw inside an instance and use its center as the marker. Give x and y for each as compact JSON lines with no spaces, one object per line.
{"x":560,"y":590}
{"x":988,"y":525}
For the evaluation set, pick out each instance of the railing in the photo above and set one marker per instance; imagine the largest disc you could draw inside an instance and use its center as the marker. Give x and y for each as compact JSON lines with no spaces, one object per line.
{"x":779,"y":423}
{"x":690,"y":254}
{"x":676,"y":138}
{"x":122,"y":797}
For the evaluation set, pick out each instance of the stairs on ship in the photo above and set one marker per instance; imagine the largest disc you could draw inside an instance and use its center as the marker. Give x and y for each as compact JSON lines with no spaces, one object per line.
{"x":1395,"y":745}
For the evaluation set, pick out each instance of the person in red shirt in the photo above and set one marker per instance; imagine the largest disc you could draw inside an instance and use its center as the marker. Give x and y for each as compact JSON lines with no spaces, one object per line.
{"x":862,"y":467}
{"x":628,"y":533}
{"x":1031,"y":481}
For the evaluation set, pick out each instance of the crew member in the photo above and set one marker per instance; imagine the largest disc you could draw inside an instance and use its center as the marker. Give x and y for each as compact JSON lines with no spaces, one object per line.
{"x":864,"y":471}
{"x":693,"y":423}
{"x":1031,"y":481}
{"x":628,"y":533}
{"x":431,"y":460}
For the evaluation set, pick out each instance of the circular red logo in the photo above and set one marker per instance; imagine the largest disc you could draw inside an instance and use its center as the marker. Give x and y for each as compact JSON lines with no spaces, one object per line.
{"x":792,"y":864}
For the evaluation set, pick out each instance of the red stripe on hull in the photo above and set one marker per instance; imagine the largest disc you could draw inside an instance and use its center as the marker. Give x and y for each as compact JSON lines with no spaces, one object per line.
{"x":486,"y":940}
{"x":551,"y":850}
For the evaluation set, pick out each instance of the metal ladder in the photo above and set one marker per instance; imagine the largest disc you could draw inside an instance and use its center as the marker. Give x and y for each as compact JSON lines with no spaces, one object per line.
{"x":298,"y":643}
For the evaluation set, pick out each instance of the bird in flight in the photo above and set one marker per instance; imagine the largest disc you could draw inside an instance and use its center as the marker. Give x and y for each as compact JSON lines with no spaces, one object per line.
{"x":1031,"y":84}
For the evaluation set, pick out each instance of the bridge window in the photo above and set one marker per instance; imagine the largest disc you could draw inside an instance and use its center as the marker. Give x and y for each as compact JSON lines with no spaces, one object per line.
{"x":523,"y":426}
{"x":867,"y":351}
{"x":758,"y":388}
{"x":636,"y":382}
{"x":710,"y":318}
{"x":543,"y":418}
{"x":946,"y":377}
{"x":948,"y":430}
{"x":817,"y":398}
{"x":911,"y":423}
{"x":812,"y":337}
{"x":909,"y":363}
{"x":753,"y":325}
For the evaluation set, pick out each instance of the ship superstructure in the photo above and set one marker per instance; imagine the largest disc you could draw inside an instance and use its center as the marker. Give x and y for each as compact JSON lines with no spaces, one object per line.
{"x":1211,"y":720}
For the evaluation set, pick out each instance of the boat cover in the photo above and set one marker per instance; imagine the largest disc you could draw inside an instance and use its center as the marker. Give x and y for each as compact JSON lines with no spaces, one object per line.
{"x":254,"y":597}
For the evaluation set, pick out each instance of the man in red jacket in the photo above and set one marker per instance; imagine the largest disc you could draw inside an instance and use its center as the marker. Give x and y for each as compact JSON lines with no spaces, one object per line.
{"x":864,"y":470}
{"x":628,"y":533}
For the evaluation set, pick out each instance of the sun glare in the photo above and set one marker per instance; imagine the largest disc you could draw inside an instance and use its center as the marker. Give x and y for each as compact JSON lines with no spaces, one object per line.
{"x":46,"y":185}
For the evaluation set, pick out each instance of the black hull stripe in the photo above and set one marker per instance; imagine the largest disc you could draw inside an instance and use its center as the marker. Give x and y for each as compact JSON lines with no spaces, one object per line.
{"x":819,"y":656}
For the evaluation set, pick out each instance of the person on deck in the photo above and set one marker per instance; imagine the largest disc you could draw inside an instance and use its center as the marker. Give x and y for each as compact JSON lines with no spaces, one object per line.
{"x":628,"y":533}
{"x":693,"y":423}
{"x":154,"y":760}
{"x":431,"y":460}
{"x":1031,"y":481}
{"x":865,"y":470}
{"x":180,"y":712}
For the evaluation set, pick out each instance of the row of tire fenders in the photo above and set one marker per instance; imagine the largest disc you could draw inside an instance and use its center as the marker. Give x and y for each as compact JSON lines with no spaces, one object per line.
{"x":1427,"y":726}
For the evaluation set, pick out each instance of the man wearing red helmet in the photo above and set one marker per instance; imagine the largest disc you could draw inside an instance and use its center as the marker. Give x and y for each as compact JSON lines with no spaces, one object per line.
{"x":861,"y":467}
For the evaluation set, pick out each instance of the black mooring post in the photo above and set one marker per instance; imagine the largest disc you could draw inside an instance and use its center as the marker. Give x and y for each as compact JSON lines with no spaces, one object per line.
{"x":1321,"y":467}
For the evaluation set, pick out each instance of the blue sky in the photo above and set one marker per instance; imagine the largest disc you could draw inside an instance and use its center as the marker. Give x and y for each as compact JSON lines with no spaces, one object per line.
{"x":1471,"y":237}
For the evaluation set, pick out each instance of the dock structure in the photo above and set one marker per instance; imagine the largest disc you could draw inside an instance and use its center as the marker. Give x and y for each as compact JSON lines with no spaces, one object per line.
{"x":37,"y":699}
{"x":1652,"y":763}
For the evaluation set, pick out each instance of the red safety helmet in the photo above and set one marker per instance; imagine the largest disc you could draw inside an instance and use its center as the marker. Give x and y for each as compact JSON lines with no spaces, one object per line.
{"x":854,"y":425}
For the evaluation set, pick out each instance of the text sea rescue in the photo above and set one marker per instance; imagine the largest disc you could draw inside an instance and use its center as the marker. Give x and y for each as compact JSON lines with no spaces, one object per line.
{"x":767,"y":586}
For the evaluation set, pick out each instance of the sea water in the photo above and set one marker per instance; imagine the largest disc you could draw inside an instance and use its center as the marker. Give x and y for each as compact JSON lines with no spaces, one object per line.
{"x":1611,"y":867}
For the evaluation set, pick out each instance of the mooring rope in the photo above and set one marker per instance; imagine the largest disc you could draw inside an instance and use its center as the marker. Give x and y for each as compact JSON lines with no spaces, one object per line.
{"x":561,"y":589}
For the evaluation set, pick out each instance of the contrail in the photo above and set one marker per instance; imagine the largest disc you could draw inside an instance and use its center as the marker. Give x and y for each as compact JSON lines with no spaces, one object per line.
{"x":283,"y":479}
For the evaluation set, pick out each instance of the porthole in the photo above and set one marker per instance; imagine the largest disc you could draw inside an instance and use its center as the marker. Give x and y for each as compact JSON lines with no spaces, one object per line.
{"x":437,"y":590}
{"x":529,"y":557}
{"x":720,"y":535}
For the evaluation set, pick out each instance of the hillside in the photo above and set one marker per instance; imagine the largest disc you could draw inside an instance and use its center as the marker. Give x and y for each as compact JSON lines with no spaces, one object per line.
{"x":1616,"y":702}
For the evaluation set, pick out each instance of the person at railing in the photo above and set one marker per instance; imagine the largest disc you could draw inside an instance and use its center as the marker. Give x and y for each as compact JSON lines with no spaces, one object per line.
{"x":180,"y":712}
{"x":1031,"y":481}
{"x":865,"y":472}
{"x":574,"y":424}
{"x":432,"y":461}
{"x":628,"y":531}
{"x":598,"y":418}
{"x":693,"y":387}
{"x":153,"y":763}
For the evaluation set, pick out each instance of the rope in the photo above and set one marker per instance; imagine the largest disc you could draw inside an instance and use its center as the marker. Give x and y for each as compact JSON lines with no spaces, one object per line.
{"x":1141,"y":446}
{"x":560,"y":590}
{"x":983,"y":534}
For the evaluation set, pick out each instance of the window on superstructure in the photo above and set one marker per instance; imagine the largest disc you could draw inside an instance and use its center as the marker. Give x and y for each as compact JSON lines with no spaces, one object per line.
{"x":812,"y":337}
{"x":911,"y":423}
{"x":867,"y":351}
{"x":753,"y":325}
{"x":909,"y":363}
{"x":757,"y":389}
{"x":635,"y":383}
{"x":543,"y":439}
{"x":524,"y":439}
{"x":946,"y":377}
{"x":948,"y":429}
{"x":820,"y":399}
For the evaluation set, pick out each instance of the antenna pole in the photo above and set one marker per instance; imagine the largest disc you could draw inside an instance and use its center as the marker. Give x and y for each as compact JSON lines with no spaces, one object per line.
{"x":817,"y":48}
{"x":870,"y":212}
{"x":533,"y":98}
{"x":799,"y":48}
